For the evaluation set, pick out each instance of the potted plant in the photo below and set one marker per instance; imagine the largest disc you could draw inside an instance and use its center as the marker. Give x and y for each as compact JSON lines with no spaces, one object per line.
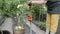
{"x":19,"y":28}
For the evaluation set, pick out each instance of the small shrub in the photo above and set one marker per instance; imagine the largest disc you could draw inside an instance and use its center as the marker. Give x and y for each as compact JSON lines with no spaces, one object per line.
{"x":42,"y":26}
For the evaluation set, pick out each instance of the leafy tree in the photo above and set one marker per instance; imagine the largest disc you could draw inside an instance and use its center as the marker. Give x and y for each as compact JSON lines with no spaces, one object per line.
{"x":8,"y":7}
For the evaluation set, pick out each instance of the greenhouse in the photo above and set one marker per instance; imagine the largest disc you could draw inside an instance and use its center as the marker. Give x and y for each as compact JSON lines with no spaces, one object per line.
{"x":27,"y":17}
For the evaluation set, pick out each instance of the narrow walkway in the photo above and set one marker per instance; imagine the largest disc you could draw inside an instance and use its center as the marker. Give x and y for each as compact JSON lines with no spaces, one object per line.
{"x":34,"y":28}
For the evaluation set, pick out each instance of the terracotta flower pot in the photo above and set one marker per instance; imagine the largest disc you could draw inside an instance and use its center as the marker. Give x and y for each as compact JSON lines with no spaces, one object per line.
{"x":19,"y":31}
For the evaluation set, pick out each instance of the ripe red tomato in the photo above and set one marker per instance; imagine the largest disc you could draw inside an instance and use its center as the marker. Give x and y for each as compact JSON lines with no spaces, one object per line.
{"x":29,"y":18}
